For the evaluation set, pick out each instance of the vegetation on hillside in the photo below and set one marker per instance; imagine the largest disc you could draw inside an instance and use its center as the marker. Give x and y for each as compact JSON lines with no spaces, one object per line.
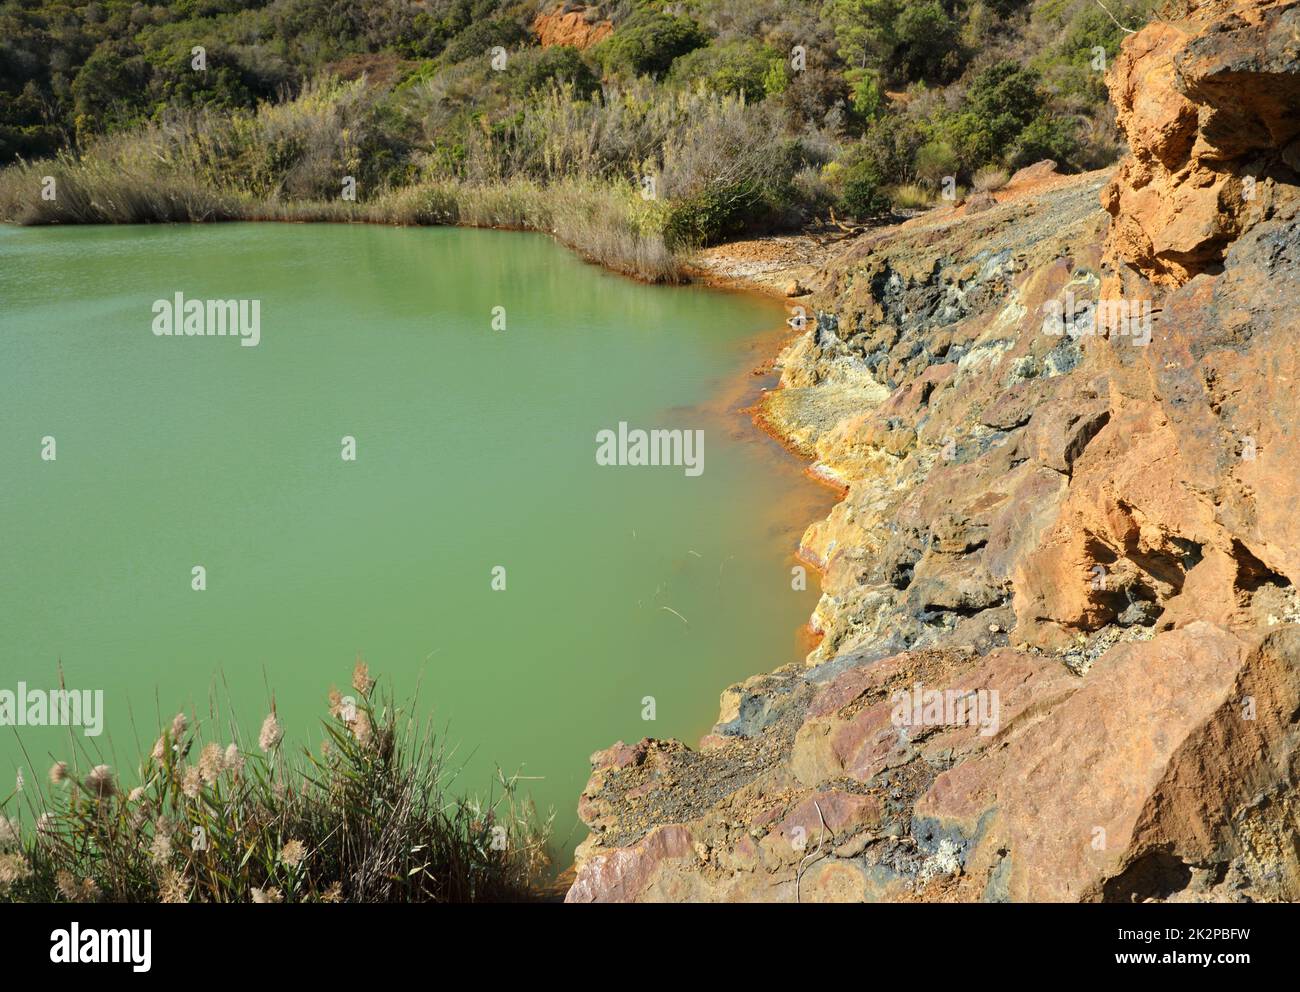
{"x":702,"y":119}
{"x":368,"y":819}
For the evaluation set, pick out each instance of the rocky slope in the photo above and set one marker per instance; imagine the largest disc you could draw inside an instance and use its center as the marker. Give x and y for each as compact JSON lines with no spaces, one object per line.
{"x":1060,"y":653}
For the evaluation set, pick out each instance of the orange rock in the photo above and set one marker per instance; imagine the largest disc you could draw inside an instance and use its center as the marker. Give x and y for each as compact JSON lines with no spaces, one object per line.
{"x":1208,"y":107}
{"x":578,"y":27}
{"x":1194,"y":709}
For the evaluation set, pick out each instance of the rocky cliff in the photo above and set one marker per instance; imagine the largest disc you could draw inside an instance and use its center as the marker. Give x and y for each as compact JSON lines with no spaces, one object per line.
{"x":1060,"y":633}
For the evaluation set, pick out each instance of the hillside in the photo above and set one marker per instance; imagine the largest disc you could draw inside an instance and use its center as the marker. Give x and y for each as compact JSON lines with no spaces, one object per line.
{"x":704,"y":120}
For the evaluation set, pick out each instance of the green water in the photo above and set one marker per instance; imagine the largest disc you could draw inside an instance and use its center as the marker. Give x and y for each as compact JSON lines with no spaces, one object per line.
{"x":475,"y":449}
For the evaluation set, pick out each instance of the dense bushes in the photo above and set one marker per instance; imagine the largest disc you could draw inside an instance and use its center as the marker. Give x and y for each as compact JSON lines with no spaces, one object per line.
{"x":900,"y":40}
{"x":108,"y":92}
{"x":535,"y":69}
{"x":735,"y":67}
{"x":746,"y":115}
{"x":648,"y":42}
{"x":712,"y":213}
{"x":1003,"y":99}
{"x":864,"y":193}
{"x":479,"y":38}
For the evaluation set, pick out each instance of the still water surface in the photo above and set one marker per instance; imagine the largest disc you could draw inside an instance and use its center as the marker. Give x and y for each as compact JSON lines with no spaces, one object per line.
{"x":475,"y":448}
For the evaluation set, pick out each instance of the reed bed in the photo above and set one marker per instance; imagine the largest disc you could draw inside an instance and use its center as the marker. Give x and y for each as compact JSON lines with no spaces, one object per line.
{"x":367,"y":819}
{"x":604,"y":222}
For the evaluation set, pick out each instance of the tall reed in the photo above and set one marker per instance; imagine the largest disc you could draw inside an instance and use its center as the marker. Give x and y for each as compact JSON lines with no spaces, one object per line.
{"x":368,"y":819}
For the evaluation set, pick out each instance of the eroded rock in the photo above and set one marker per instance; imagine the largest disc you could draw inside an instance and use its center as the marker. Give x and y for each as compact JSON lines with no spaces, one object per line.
{"x":1060,"y":651}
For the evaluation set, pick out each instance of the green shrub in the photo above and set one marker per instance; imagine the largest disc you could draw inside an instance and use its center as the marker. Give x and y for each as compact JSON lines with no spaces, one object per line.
{"x":904,"y":40}
{"x":109,"y":90}
{"x":776,"y":80}
{"x":868,"y":94}
{"x":926,"y":45}
{"x":231,"y":79}
{"x":892,"y":142}
{"x":535,"y":69}
{"x":864,"y":194}
{"x":649,"y":42}
{"x":712,"y":213}
{"x":478,"y":40}
{"x":1002,"y":100}
{"x":1006,"y":94}
{"x":736,"y":67}
{"x":1045,"y":136}
{"x":936,"y":160}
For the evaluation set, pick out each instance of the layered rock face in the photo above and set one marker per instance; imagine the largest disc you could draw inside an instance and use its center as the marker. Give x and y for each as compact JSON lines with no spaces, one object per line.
{"x":1060,"y":652}
{"x":1211,"y":109}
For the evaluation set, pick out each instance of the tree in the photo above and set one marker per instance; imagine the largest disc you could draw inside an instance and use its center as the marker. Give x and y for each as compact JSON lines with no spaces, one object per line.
{"x":1002,"y":101}
{"x":899,"y":41}
{"x":864,"y":195}
{"x":109,"y":90}
{"x":535,"y":68}
{"x":735,"y":67}
{"x":864,"y":30}
{"x":926,"y":44}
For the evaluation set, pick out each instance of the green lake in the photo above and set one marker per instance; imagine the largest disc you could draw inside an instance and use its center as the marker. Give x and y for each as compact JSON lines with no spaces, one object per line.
{"x":475,"y":448}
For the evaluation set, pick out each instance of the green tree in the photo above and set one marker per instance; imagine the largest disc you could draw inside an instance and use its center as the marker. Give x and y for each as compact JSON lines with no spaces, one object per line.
{"x":1046,"y":136}
{"x":901,"y":41}
{"x":864,"y":194}
{"x":735,"y":67}
{"x":110,"y":89}
{"x":864,"y":30}
{"x":926,"y":45}
{"x":1002,"y":101}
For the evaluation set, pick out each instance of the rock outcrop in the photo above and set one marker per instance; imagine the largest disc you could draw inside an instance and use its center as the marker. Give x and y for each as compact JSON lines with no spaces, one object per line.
{"x":1210,"y":105}
{"x":573,"y":24}
{"x":1060,"y":632}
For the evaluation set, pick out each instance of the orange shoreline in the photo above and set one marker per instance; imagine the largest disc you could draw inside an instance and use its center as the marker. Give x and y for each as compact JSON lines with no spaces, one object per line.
{"x":746,"y":399}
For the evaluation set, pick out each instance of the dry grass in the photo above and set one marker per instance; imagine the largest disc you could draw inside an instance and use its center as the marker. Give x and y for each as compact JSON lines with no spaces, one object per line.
{"x":564,"y":169}
{"x":912,"y":197}
{"x":989,"y":179}
{"x":605,"y":222}
{"x":106,"y":190}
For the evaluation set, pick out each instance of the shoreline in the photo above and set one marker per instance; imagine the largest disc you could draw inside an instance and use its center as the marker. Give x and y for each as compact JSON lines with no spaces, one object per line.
{"x":741,"y":397}
{"x":730,"y":267}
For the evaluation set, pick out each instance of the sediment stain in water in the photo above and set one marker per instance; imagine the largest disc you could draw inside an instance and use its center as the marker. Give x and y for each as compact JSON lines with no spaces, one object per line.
{"x":475,"y":468}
